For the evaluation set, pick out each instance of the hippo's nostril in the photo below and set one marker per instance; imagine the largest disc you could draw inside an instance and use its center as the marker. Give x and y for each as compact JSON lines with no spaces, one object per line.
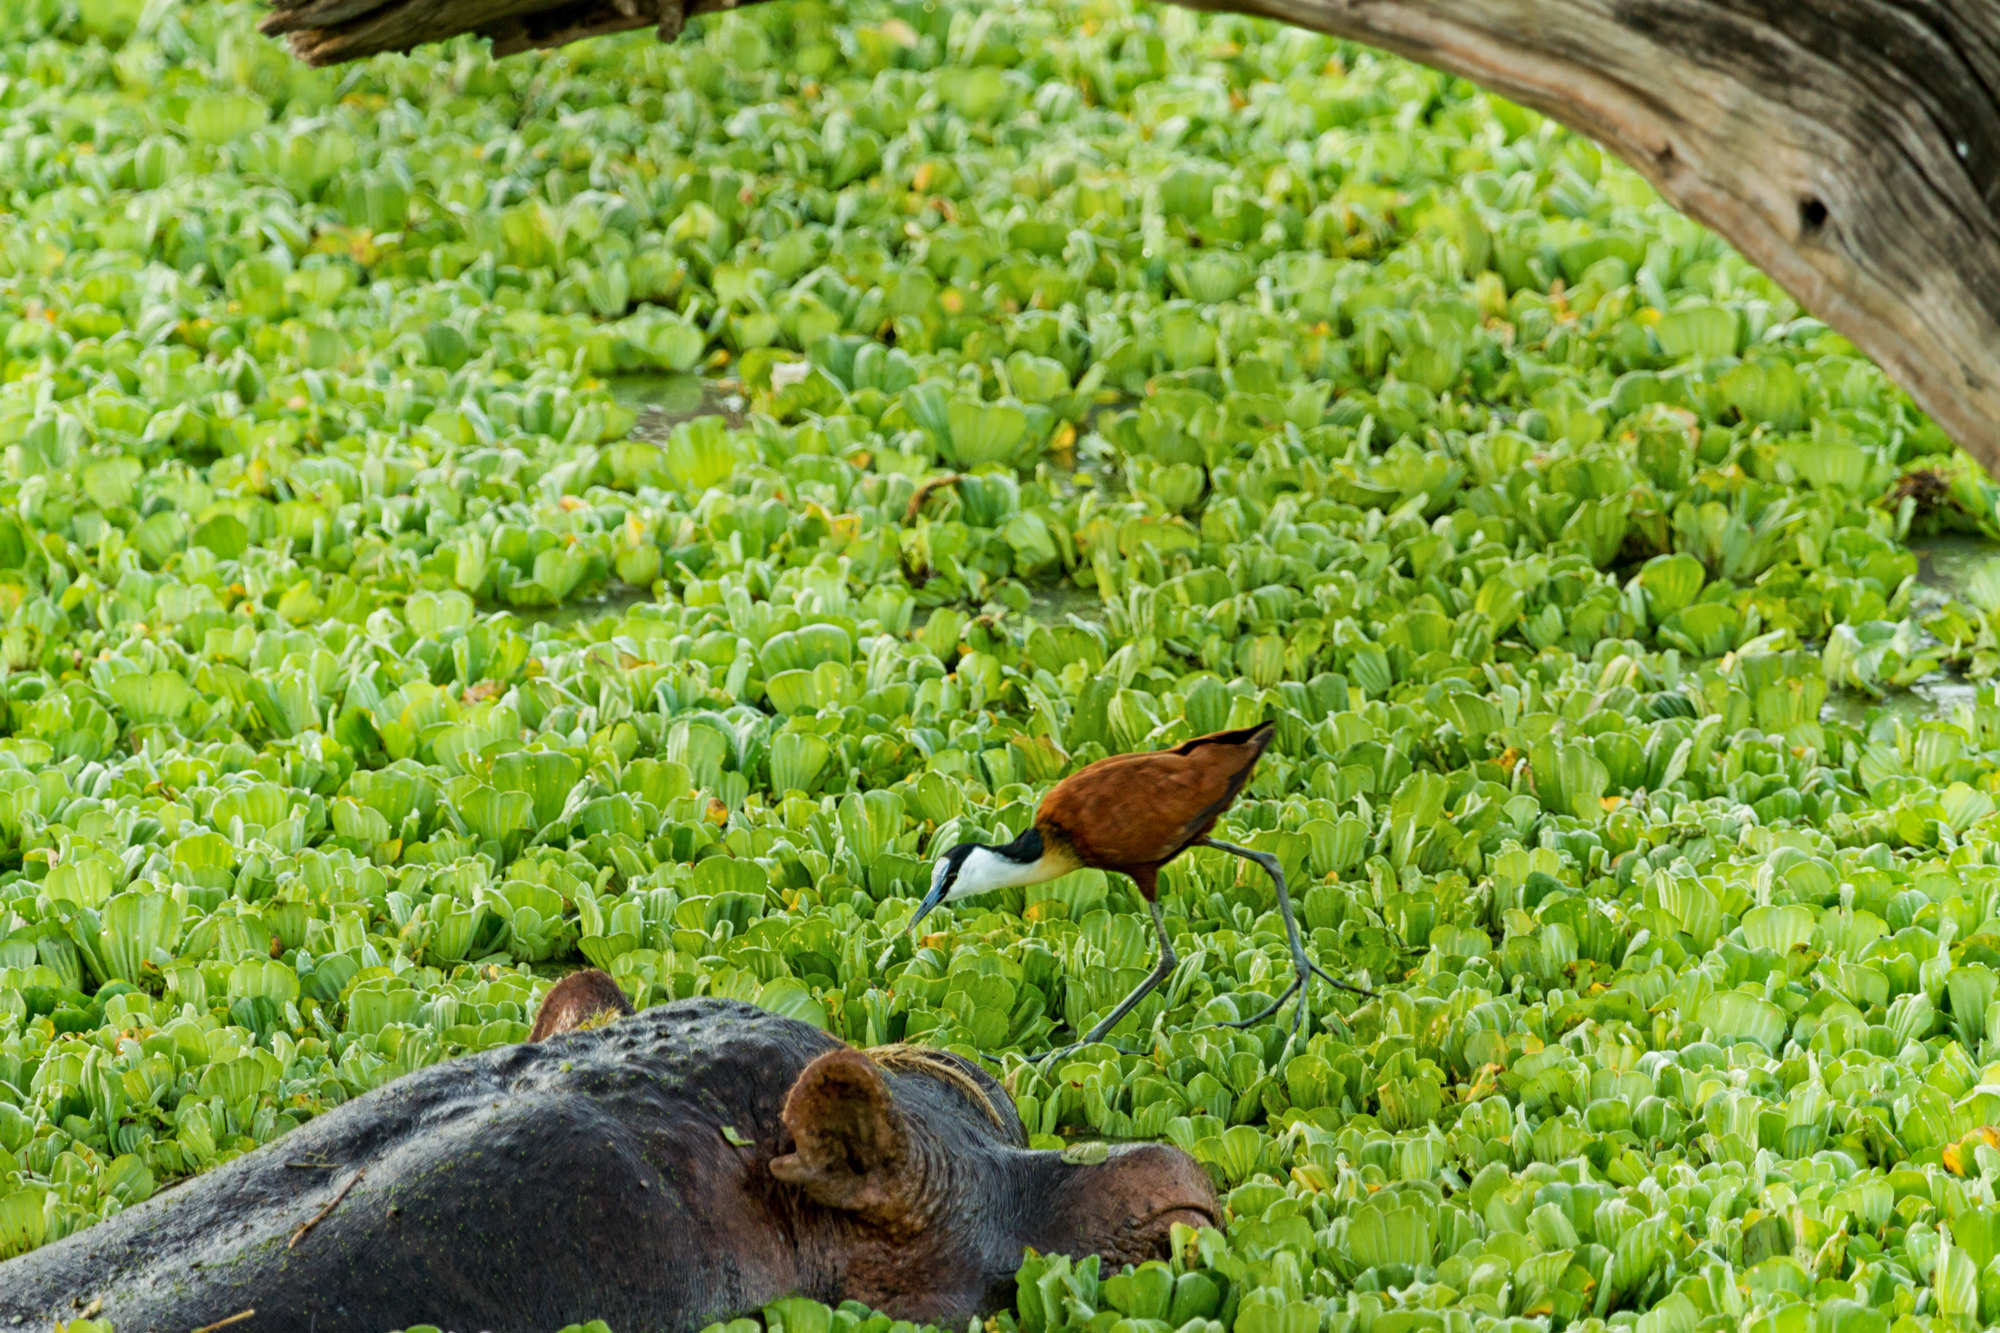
{"x":1151,"y":1236}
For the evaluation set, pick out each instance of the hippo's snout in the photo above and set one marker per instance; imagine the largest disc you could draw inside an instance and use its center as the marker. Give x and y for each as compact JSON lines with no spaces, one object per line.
{"x":1165,"y":1172}
{"x":1124,"y":1208}
{"x":1172,"y":1181}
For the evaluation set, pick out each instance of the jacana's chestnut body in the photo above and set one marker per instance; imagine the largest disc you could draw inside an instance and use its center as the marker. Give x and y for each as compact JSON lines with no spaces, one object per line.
{"x":1133,"y":813}
{"x":1129,"y":813}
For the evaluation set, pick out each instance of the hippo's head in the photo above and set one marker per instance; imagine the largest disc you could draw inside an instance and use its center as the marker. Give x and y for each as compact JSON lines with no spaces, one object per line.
{"x":904,"y":1177}
{"x":920,"y":1164}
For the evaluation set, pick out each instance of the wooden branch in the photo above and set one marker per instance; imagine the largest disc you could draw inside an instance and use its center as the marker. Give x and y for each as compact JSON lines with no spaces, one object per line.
{"x":1849,"y":148}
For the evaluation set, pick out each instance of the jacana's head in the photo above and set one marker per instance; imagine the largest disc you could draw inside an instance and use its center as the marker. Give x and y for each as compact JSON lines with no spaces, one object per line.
{"x":974,"y":867}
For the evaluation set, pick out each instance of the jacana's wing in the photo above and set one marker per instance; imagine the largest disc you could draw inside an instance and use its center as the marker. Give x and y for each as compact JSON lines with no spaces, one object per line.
{"x":1142,"y":809}
{"x":1256,"y":738}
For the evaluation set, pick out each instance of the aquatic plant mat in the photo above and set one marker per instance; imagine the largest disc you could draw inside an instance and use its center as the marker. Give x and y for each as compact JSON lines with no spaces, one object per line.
{"x":1765,"y":123}
{"x":464,"y":520}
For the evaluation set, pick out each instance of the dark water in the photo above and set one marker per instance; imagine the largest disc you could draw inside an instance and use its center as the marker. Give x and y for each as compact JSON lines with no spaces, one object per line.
{"x":664,"y":401}
{"x":611,"y":603}
{"x":1961,"y":566}
{"x":1950,"y":566}
{"x":1935,"y":696}
{"x":1055,"y":601}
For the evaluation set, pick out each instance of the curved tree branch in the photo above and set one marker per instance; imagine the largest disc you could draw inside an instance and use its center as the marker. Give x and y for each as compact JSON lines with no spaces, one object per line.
{"x":1849,"y":148}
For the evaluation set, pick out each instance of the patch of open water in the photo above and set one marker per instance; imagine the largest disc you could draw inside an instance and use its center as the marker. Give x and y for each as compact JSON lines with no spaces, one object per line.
{"x":1949,"y":566}
{"x":664,"y":401}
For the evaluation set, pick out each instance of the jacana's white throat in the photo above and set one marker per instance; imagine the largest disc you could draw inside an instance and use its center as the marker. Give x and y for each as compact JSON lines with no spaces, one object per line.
{"x":985,"y":869}
{"x":974,"y":868}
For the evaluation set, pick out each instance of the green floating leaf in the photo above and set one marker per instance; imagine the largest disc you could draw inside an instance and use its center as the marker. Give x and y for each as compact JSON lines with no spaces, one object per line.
{"x":1737,"y":1016}
{"x":23,"y":1220}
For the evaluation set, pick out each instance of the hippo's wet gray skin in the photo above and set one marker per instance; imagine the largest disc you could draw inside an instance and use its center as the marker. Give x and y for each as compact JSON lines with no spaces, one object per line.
{"x":599,"y":1175}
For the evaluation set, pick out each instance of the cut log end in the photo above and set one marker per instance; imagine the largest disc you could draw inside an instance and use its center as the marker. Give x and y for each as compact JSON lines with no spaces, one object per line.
{"x":332,"y":32}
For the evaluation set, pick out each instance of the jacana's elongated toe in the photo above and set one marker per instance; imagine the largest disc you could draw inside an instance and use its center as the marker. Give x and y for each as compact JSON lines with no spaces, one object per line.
{"x":1304,"y":969}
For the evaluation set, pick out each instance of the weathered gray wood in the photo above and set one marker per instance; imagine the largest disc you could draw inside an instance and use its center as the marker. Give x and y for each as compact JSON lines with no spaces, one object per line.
{"x":1849,"y":148}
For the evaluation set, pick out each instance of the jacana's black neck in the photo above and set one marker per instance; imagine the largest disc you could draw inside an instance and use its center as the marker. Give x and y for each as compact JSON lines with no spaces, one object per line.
{"x":1024,"y":850}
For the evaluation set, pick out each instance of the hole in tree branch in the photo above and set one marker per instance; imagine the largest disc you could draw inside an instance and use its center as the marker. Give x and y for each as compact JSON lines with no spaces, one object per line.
{"x":1812,"y":214}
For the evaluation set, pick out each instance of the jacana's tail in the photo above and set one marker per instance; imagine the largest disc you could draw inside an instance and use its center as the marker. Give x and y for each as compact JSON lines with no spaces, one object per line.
{"x":1258,"y":736}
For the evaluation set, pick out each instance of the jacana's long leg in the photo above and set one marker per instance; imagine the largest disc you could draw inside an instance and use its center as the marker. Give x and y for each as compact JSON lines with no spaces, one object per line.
{"x":1304,"y":967}
{"x":1161,"y":971}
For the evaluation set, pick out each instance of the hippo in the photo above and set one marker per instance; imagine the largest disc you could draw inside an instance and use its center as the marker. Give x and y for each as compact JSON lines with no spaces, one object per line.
{"x":657,"y":1170}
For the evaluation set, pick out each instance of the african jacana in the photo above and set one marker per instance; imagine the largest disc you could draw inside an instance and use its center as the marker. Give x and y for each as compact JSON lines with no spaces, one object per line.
{"x":1133,"y":813}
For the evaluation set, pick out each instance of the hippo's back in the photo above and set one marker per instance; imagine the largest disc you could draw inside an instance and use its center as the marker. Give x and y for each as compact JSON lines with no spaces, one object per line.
{"x":486,"y":1191}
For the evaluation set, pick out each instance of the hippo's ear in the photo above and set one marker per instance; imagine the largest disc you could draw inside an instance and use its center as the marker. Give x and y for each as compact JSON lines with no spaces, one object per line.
{"x":585,"y":999}
{"x":851,"y":1152}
